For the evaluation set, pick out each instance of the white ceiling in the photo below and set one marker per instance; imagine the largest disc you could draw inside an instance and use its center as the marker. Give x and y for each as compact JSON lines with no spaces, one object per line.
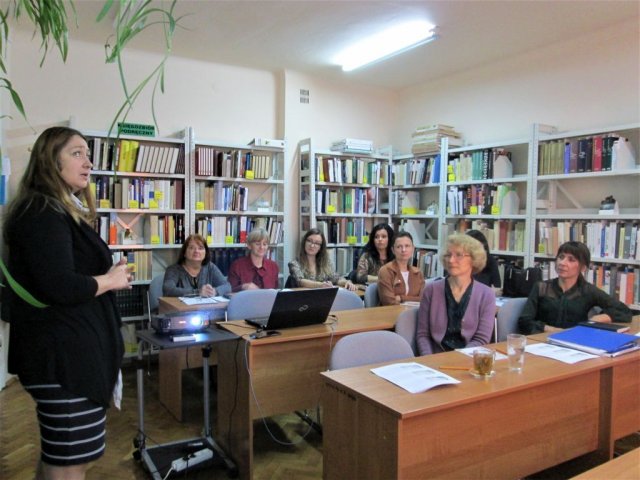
{"x":304,"y":35}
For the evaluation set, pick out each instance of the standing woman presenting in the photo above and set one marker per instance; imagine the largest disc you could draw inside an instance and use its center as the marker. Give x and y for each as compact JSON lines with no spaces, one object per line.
{"x":67,"y":355}
{"x":398,"y":280}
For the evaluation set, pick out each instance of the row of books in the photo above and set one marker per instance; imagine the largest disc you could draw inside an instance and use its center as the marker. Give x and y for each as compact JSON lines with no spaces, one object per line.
{"x":419,"y":171}
{"x":138,"y":261}
{"x":504,"y":235}
{"x":235,"y":229}
{"x":347,"y":200}
{"x":212,"y":162}
{"x":484,"y":199}
{"x":480,"y":165}
{"x":151,"y":230}
{"x":588,"y":154}
{"x":138,"y":193}
{"x":351,"y":170}
{"x":131,"y":302}
{"x":605,"y":239}
{"x":405,"y":202}
{"x":426,"y":139}
{"x":224,"y":257}
{"x":135,"y":156}
{"x":352,"y":145}
{"x":621,"y":282}
{"x":344,"y":259}
{"x":343,"y":230}
{"x":220,"y":196}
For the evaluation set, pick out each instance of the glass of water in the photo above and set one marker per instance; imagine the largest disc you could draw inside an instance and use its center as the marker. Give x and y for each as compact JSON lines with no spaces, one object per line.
{"x":516,"y":344}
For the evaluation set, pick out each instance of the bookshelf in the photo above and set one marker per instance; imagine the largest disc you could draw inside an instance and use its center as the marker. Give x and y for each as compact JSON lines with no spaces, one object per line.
{"x":415,"y":206}
{"x":236,"y":188}
{"x":575,"y":171}
{"x":140,"y":188}
{"x":344,"y":195}
{"x":487,"y":187}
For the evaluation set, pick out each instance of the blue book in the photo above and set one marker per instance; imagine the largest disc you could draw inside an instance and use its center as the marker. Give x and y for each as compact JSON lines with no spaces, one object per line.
{"x":594,"y":340}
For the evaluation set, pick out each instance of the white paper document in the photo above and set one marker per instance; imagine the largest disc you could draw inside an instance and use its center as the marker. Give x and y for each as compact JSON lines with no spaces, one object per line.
{"x":413,"y":377}
{"x":202,"y":300}
{"x":566,"y":355}
{"x":469,"y":352}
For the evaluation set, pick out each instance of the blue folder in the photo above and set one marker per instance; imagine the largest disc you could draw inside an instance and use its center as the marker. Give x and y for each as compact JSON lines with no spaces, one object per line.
{"x":596,"y":340}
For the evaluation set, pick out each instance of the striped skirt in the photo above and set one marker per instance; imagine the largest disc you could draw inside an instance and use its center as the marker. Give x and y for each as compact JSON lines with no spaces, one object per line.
{"x":72,"y":429}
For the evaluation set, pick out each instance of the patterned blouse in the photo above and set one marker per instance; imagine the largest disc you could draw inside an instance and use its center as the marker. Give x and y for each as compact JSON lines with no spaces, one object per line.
{"x":298,"y":272}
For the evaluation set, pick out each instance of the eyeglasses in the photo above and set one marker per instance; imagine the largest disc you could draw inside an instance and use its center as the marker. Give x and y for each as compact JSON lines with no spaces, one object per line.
{"x":311,"y":243}
{"x":457,"y":256}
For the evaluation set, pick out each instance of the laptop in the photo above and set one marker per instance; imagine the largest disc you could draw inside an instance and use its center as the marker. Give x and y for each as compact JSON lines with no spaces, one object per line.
{"x":297,"y":308}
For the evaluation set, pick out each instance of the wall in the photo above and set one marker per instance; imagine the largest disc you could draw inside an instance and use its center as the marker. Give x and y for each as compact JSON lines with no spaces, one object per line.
{"x":590,"y":81}
{"x":335,"y":110}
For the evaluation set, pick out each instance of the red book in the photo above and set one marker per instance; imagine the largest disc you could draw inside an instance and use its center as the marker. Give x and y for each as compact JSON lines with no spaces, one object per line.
{"x":597,"y":153}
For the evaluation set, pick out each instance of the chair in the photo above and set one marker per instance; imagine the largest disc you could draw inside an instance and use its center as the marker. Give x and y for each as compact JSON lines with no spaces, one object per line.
{"x":507,"y":317}
{"x":406,"y":327}
{"x":371,"y":298}
{"x":368,"y":347}
{"x":346,"y":300}
{"x":155,"y":292}
{"x":251,"y":304}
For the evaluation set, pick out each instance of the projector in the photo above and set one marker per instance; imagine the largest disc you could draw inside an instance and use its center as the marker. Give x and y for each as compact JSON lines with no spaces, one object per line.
{"x":180,"y":322}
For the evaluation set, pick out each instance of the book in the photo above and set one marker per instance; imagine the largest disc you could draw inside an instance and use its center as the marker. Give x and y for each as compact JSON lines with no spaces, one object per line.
{"x":595,"y":340}
{"x":611,"y":327}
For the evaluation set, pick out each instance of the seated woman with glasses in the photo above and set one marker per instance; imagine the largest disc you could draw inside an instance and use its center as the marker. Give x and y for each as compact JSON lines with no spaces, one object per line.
{"x":194,"y":273}
{"x":313,"y":268}
{"x":399,"y":281}
{"x":565,"y":301}
{"x":376,"y":253}
{"x":456,"y":311}
{"x":255,"y":271}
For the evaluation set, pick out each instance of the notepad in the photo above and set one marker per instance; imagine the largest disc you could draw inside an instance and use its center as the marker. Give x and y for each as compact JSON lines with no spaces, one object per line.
{"x":594,"y":340}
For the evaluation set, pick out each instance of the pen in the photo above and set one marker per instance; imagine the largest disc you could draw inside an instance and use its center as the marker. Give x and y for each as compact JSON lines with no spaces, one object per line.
{"x":504,"y":352}
{"x":444,"y":367}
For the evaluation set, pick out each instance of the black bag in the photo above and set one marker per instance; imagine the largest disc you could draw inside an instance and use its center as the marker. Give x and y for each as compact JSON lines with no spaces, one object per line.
{"x":518,"y":282}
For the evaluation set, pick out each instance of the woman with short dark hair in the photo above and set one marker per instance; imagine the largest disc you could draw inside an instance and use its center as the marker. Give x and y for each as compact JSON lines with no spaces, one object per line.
{"x":565,"y":301}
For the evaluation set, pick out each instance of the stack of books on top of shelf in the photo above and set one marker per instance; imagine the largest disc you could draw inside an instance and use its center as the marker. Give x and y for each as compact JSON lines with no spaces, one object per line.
{"x":426,"y":139}
{"x":353,"y":145}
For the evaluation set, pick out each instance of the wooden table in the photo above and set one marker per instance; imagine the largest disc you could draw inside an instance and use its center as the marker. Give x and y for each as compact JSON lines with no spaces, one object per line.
{"x":508,"y":426}
{"x":283,"y":374}
{"x":172,"y":362}
{"x":624,"y":467}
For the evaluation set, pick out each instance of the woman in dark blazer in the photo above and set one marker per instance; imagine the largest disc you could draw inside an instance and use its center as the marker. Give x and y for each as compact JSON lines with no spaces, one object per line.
{"x":68,"y":354}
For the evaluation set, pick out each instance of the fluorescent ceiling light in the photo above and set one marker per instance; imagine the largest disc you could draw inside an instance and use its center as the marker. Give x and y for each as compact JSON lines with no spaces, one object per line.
{"x":386,"y":44}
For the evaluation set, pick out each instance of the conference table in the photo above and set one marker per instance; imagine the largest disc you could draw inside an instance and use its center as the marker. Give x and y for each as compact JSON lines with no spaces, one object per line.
{"x":279,"y":374}
{"x":507,"y":426}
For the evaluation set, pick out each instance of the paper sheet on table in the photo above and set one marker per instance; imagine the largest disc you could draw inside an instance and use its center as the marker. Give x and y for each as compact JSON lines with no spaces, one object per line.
{"x":469,"y":352}
{"x":202,"y":300}
{"x":410,"y":303}
{"x":566,"y":355}
{"x":413,"y":377}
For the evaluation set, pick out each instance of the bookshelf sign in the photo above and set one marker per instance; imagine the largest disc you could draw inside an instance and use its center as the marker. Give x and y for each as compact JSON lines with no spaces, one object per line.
{"x":136,"y":129}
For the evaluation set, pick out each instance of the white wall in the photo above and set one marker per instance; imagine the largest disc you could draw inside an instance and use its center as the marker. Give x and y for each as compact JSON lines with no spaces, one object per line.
{"x":590,"y":81}
{"x":335,"y":110}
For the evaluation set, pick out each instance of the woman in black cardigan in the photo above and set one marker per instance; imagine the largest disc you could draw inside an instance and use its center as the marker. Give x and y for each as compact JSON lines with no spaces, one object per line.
{"x":68,"y":354}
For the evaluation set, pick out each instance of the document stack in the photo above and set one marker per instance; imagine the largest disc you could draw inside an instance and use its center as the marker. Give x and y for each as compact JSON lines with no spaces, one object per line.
{"x":353,"y":145}
{"x":426,"y":139}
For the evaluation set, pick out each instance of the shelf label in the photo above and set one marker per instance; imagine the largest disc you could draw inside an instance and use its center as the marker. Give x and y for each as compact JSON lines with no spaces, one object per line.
{"x":134,"y":204}
{"x":495,"y":210}
{"x":131,"y":267}
{"x":409,"y":210}
{"x":158,"y":195}
{"x":155,"y":239}
{"x":153,"y":203}
{"x":209,"y":240}
{"x":228,"y":239}
{"x":248,"y":174}
{"x":199,"y":205}
{"x":352,"y":239}
{"x":105,"y":203}
{"x":331,"y":209}
{"x":473,"y":210}
{"x":541,"y":248}
{"x":364,"y":239}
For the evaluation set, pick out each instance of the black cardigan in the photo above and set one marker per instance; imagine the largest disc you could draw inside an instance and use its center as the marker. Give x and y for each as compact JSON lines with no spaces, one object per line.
{"x":76,"y":341}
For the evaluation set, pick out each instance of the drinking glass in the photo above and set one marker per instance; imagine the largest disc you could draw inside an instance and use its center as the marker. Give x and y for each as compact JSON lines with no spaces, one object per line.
{"x":516,"y":344}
